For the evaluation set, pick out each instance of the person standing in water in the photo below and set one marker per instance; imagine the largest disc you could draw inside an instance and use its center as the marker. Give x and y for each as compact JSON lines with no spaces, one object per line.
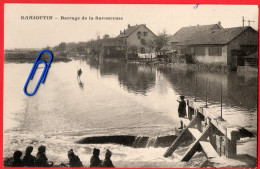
{"x":182,"y":109}
{"x":79,"y":72}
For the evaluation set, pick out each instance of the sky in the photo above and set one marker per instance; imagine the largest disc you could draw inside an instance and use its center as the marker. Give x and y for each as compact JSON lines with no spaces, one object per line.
{"x":21,"y":33}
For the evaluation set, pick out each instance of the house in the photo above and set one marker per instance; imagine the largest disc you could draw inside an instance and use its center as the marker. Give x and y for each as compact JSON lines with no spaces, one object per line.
{"x":213,"y":44}
{"x":137,"y":39}
{"x":111,"y":48}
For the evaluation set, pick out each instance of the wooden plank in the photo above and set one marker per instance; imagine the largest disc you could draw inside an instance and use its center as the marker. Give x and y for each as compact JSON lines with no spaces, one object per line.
{"x":208,"y":149}
{"x":196,"y":145}
{"x":195,"y":132}
{"x":182,"y":136}
{"x":185,"y":121}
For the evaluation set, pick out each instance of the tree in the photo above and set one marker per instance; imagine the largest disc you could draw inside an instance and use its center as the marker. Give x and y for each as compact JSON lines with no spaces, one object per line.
{"x":161,"y":41}
{"x":106,"y":36}
{"x":96,"y":47}
{"x":62,"y":46}
{"x":151,"y":45}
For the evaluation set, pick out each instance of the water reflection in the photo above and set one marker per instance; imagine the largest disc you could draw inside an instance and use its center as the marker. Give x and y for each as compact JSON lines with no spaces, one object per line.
{"x":134,"y":78}
{"x":137,"y":78}
{"x":238,"y":90}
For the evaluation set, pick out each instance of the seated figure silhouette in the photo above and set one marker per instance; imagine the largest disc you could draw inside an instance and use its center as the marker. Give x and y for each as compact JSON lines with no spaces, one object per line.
{"x":41,"y":159}
{"x":74,"y":160}
{"x":17,"y":159}
{"x":107,"y":163}
{"x":29,"y":159}
{"x":94,"y":160}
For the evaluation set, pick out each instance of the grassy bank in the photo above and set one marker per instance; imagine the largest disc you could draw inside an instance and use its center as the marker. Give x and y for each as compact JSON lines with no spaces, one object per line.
{"x":30,"y":56}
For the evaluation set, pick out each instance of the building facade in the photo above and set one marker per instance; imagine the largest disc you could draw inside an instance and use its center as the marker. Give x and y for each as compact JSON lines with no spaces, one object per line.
{"x":213,"y":44}
{"x":137,"y":39}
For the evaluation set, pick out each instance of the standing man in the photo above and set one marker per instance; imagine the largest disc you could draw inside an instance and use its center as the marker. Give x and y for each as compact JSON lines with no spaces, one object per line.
{"x":182,"y":110}
{"x":79,"y":72}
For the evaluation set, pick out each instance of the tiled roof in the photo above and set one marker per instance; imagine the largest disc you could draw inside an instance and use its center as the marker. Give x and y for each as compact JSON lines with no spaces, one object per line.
{"x":129,"y":31}
{"x":221,"y":36}
{"x":186,"y":32}
{"x":203,"y":35}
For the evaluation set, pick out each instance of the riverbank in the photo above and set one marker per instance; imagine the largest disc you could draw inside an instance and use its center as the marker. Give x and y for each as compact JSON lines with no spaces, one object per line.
{"x":30,"y":56}
{"x":196,"y":67}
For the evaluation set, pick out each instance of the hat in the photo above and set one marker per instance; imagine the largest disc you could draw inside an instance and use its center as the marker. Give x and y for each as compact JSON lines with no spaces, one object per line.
{"x":182,"y":97}
{"x":96,"y":151}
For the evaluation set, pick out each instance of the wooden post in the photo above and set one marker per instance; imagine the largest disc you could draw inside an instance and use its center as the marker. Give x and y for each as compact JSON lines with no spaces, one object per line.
{"x":190,"y":112}
{"x":195,"y":88}
{"x":199,"y":124}
{"x":206,"y":92}
{"x":221,"y":101}
{"x":232,"y":136}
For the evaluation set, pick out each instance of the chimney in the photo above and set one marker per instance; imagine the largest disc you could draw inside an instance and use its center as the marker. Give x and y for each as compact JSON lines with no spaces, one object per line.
{"x":219,"y":23}
{"x":121,"y":32}
{"x":124,"y":31}
{"x":128,"y":25}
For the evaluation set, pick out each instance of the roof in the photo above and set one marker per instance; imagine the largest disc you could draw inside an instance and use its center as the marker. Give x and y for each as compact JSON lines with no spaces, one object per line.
{"x":206,"y":36}
{"x":252,"y":55}
{"x":130,"y":30}
{"x":186,"y":32}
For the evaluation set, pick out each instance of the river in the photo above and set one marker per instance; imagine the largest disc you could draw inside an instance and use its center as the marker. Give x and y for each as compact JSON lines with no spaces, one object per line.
{"x":114,"y":99}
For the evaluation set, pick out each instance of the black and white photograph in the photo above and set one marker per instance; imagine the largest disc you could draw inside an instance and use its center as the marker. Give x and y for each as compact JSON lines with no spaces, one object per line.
{"x":130,"y":85}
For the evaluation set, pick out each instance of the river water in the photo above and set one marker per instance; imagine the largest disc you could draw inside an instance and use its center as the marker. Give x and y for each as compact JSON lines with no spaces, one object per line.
{"x":115,"y":98}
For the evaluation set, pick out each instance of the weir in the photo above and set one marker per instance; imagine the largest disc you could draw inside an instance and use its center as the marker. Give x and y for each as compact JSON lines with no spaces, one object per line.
{"x":140,"y":141}
{"x":211,"y":134}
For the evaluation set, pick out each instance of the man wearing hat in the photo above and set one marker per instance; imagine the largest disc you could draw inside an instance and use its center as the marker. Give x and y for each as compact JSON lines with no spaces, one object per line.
{"x":182,"y":109}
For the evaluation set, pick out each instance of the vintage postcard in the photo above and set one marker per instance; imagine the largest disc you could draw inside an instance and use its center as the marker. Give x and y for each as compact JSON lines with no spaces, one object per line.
{"x":130,"y":85}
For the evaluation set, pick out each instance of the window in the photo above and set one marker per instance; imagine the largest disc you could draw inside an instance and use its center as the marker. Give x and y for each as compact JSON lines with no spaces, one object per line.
{"x":139,"y":34}
{"x":142,"y":50}
{"x":199,"y":51}
{"x":125,"y":42}
{"x":143,"y":42}
{"x":215,"y":51}
{"x":145,"y":33}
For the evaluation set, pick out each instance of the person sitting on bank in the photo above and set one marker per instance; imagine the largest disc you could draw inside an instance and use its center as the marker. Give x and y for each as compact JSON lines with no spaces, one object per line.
{"x":17,"y":159}
{"x":29,"y":159}
{"x":94,"y":160}
{"x":74,"y":160}
{"x":182,"y":109}
{"x":107,"y":161}
{"x":41,"y":159}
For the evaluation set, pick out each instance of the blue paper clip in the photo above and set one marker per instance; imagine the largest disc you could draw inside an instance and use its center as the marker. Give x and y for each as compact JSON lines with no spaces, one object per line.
{"x":44,"y":73}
